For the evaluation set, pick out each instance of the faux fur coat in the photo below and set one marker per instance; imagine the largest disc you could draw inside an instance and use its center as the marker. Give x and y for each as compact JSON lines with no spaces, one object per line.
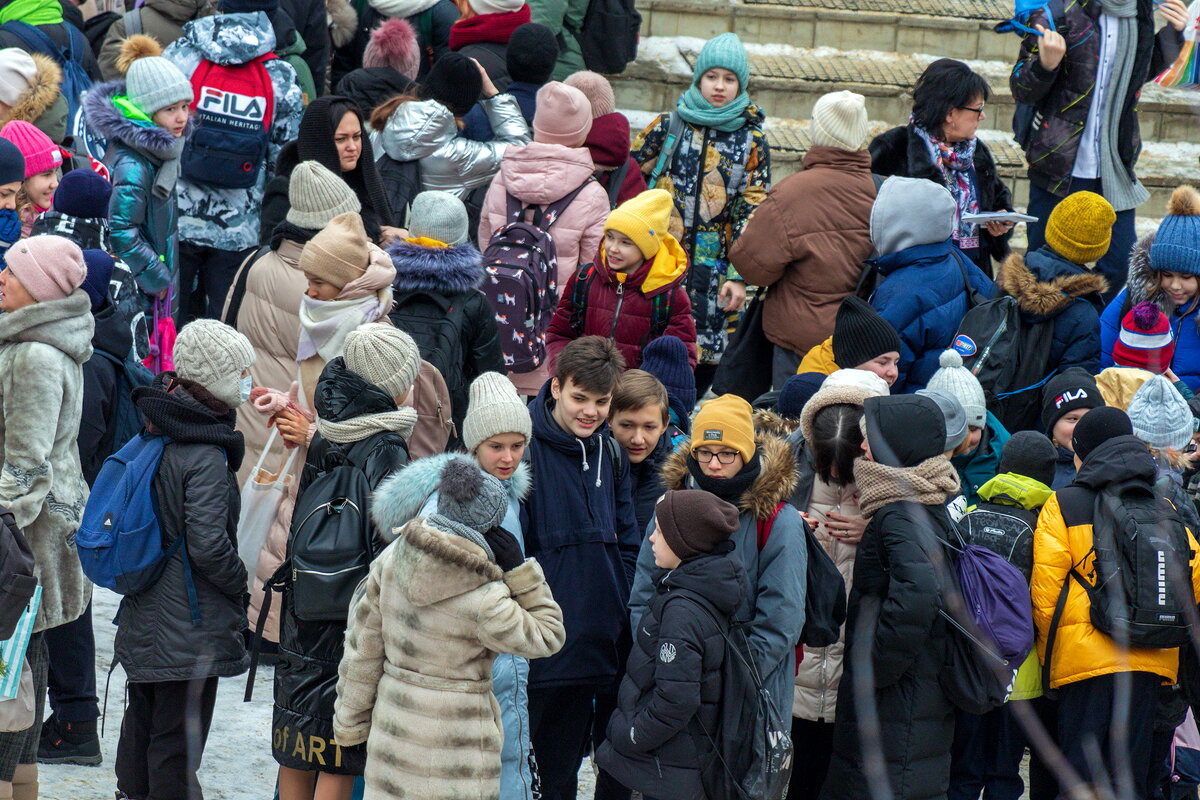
{"x":415,"y":680}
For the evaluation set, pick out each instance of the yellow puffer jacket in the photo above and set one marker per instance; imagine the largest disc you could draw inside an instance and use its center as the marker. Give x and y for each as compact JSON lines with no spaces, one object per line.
{"x":819,"y":359}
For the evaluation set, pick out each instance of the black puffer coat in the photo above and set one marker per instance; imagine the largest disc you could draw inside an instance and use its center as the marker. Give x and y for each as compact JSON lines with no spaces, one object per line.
{"x":102,"y":374}
{"x":673,"y":676}
{"x":197,"y":494}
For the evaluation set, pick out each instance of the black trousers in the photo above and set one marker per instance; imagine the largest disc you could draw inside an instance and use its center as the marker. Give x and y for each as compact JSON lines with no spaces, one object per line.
{"x":162,"y":739}
{"x":561,"y":722}
{"x":986,"y":756}
{"x":205,"y":275}
{"x":812,"y":747}
{"x":72,"y":649}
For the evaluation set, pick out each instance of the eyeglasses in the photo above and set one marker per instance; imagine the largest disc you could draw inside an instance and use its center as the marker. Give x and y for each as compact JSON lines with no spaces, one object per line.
{"x":706,"y":456}
{"x":978,"y":111}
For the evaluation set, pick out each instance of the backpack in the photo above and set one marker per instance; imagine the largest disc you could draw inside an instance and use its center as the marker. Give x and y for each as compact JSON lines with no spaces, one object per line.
{"x":435,"y":424}
{"x":126,"y":421}
{"x":234,"y":107}
{"x":1005,"y":530}
{"x":522,"y":280}
{"x":825,"y":599}
{"x":120,"y":540}
{"x":16,"y":565}
{"x":608,"y":38}
{"x":660,"y":314}
{"x":433,"y":321}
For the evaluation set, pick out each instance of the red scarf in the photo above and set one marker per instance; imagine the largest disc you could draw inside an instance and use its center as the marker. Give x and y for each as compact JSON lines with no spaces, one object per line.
{"x":496,"y":28}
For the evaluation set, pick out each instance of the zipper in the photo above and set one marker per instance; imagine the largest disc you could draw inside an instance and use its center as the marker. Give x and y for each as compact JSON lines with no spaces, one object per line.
{"x":699,"y":189}
{"x":612,"y":334}
{"x":329,"y":508}
{"x":296,"y":572}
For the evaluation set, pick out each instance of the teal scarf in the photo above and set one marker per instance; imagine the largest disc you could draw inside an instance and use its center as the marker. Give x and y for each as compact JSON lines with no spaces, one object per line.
{"x":696,"y":110}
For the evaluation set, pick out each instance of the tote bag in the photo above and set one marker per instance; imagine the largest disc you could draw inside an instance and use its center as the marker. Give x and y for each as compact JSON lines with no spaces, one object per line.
{"x":261,"y":497}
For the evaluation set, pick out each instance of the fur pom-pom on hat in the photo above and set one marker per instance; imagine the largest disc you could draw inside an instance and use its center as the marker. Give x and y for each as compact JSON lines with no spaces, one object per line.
{"x":1184,"y":202}
{"x":137,"y":46}
{"x":394,"y":44}
{"x":460,"y":482}
{"x":151,"y":81}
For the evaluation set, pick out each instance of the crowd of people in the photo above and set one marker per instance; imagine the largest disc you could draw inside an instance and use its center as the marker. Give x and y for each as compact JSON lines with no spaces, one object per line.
{"x":451,"y":405}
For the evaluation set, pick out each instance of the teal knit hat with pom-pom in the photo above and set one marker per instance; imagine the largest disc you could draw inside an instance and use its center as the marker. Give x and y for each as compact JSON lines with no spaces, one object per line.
{"x":725,"y":51}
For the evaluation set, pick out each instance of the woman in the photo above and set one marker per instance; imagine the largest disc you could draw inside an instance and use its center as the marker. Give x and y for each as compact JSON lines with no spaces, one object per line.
{"x":333,"y":133}
{"x":939,"y":144}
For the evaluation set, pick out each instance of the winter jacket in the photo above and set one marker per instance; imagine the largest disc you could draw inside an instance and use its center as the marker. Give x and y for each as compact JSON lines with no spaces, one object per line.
{"x":739,"y":164}
{"x":981,"y":465}
{"x":773,"y":605}
{"x":475,"y":123}
{"x":623,"y":310}
{"x":312,"y":22}
{"x":809,"y":240}
{"x":436,"y":298}
{"x":1064,"y":468}
{"x":415,"y":681}
{"x":1063,"y":539}
{"x":565,"y":19}
{"x":541,"y":174}
{"x":608,"y":142}
{"x":43,"y":104}
{"x":57,"y":32}
{"x":1049,"y":288}
{"x":580,"y":525}
{"x":197,"y":498}
{"x":102,"y":377}
{"x":162,"y":20}
{"x":309,"y":652}
{"x":42,"y":349}
{"x":430,"y":19}
{"x":674,"y":677}
{"x":647,"y":487}
{"x":218,"y":217}
{"x":143,"y":224}
{"x":369,"y":87}
{"x":820,"y":359}
{"x":1143,"y":285}
{"x":901,"y":151}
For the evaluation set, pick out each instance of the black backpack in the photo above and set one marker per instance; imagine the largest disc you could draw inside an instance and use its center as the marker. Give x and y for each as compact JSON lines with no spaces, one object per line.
{"x":608,"y":38}
{"x":1005,"y":530}
{"x":433,"y":321}
{"x":16,"y":565}
{"x":825,"y":599}
{"x":126,"y":421}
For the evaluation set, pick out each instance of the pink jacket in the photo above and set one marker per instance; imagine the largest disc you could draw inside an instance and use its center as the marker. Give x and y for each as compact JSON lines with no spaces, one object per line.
{"x":540,"y":174}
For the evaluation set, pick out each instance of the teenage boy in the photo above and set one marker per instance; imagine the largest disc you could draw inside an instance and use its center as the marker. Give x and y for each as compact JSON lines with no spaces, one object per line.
{"x":640,"y":419}
{"x":862,"y":339}
{"x":582,"y":529}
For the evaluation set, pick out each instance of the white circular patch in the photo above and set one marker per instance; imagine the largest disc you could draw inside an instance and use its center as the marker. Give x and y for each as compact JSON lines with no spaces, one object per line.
{"x":666,"y":653}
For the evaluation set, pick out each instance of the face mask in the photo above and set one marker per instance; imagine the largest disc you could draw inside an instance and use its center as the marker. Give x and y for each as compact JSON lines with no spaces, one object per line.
{"x":245,"y":385}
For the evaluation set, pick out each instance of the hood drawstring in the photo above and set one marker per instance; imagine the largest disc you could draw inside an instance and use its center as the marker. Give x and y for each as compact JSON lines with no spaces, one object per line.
{"x":583,"y":453}
{"x":599,"y":463}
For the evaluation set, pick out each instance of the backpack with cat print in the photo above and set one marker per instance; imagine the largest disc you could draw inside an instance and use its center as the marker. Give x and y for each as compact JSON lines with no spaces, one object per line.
{"x":233,"y":111}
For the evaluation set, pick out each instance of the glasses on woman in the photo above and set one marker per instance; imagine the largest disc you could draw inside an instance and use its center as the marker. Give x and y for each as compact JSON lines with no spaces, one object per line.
{"x":705,"y":456}
{"x":978,"y":111}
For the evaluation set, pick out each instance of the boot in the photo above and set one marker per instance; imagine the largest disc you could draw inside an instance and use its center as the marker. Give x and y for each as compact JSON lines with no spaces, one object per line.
{"x":69,"y":743}
{"x":25,"y":782}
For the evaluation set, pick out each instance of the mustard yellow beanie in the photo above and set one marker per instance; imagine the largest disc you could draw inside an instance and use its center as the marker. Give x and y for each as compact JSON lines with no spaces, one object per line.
{"x":643,"y":219}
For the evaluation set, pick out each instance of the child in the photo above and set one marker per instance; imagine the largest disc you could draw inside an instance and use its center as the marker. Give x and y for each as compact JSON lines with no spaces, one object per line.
{"x":666,"y":358}
{"x":861,"y":340}
{"x":639,"y":419}
{"x":43,"y":170}
{"x":674,"y":671}
{"x":1162,"y":419}
{"x":1147,"y":342}
{"x":1065,"y":399}
{"x":978,"y":457}
{"x":637,"y":253}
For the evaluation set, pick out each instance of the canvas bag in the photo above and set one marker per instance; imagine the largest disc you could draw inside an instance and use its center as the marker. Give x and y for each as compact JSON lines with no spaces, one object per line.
{"x":262,"y":495}
{"x":16,"y":713}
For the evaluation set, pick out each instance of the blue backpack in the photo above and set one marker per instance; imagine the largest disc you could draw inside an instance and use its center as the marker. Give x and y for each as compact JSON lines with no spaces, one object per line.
{"x":1022,"y":11}
{"x":120,"y":541}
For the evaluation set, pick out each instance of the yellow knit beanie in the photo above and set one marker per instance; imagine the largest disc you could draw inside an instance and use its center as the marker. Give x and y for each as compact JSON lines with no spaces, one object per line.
{"x":643,"y":219}
{"x":728,"y":420}
{"x":1080,"y":227}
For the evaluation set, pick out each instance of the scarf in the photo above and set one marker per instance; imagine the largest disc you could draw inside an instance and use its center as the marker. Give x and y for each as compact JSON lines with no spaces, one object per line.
{"x":32,"y":12}
{"x":1123,"y":191}
{"x":286,"y":230}
{"x":325,"y":324}
{"x":177,"y":409}
{"x":496,"y":28}
{"x":696,"y":110}
{"x":455,"y":527}
{"x":168,"y":166}
{"x":356,"y":429}
{"x":728,"y":489}
{"x":956,"y":164}
{"x":928,"y":483}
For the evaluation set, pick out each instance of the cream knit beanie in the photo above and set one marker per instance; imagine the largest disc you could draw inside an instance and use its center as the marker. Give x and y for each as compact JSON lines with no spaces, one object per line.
{"x":839,"y":119}
{"x":339,"y":253}
{"x":957,"y":381}
{"x":385,"y":356}
{"x":16,"y":73}
{"x":494,"y":408}
{"x":214,"y":355}
{"x":316,"y":196}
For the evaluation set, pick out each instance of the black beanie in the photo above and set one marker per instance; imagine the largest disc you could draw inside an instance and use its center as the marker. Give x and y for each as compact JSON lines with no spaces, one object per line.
{"x":247,"y":6}
{"x":860,"y":334}
{"x":1070,"y":390}
{"x":1097,"y":427}
{"x":693,"y":522}
{"x":454,"y":82}
{"x":532,"y":53}
{"x":1031,"y":454}
{"x":12,"y":163}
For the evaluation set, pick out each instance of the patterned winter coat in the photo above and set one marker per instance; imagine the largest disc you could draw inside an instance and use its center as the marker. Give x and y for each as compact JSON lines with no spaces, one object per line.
{"x":714,"y":197}
{"x":219,"y":217}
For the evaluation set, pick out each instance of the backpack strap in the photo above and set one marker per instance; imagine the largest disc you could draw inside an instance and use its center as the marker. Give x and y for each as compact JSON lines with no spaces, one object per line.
{"x":514,"y":208}
{"x":273,"y":584}
{"x":579,"y":297}
{"x":620,"y":466}
{"x":37,"y":40}
{"x":974,"y":298}
{"x":615,"y":181}
{"x":878,"y":180}
{"x":675,"y":129}
{"x":133,"y":22}
{"x":733,"y":185}
{"x":230,"y":317}
{"x":544,"y":218}
{"x":765,"y":526}
{"x":1052,"y":634}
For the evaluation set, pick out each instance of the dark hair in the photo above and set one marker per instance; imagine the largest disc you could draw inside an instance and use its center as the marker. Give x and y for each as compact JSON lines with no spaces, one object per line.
{"x":592,"y":362}
{"x":836,"y":441}
{"x":638,"y":389}
{"x":318,"y":126}
{"x":945,"y":84}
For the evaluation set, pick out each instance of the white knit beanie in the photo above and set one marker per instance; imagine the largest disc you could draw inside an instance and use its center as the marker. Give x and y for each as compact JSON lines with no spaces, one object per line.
{"x":859,"y":379}
{"x":495,"y":6}
{"x":440,"y":216}
{"x":16,"y":72}
{"x":214,"y":355}
{"x":1160,"y":416}
{"x":839,"y":119}
{"x":386,"y":357}
{"x":494,"y":409}
{"x":957,"y":381}
{"x":316,"y":196}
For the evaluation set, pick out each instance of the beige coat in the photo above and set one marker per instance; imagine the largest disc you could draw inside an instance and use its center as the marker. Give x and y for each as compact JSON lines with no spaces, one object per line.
{"x":415,"y":681}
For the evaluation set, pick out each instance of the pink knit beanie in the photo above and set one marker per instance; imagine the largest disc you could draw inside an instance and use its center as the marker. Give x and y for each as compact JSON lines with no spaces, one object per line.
{"x":49,"y":267}
{"x":596,"y":89}
{"x":40,"y":152}
{"x":564,"y":115}
{"x":394,"y":44}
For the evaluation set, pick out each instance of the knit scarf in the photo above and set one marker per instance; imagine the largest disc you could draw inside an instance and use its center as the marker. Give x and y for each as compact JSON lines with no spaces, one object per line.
{"x":728,"y":489}
{"x":1118,"y":187}
{"x":497,"y":28}
{"x":32,"y":12}
{"x":696,"y":110}
{"x":928,"y":483}
{"x":956,"y":163}
{"x":286,"y":230}
{"x":458,"y":529}
{"x":355,"y":429}
{"x":325,"y":324}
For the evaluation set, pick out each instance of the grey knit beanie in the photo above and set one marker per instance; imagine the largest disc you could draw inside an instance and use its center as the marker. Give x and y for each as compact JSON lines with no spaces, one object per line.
{"x":953,"y":414}
{"x":153,"y":83}
{"x":440,"y":216}
{"x":470,"y":503}
{"x":316,"y":196}
{"x":214,"y":355}
{"x":385,"y":356}
{"x":1161,"y":417}
{"x":494,"y":408}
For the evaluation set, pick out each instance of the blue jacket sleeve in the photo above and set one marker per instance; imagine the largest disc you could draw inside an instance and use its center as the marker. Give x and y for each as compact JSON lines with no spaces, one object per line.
{"x":782,"y":583}
{"x":643,"y":584}
{"x":1110,"y":325}
{"x":629,"y":538}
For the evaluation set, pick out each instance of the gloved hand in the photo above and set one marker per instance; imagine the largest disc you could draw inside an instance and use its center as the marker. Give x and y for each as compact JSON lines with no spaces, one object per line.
{"x":506,"y":548}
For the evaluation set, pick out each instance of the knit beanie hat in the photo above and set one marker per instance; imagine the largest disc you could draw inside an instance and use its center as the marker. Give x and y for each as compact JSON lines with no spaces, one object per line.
{"x":99,"y":266}
{"x":246,"y":6}
{"x":666,"y":358}
{"x":1097,"y":427}
{"x":905,"y":429}
{"x":839,"y":119}
{"x":49,"y":267}
{"x":1145,"y":340}
{"x":151,"y":81}
{"x":470,"y":503}
{"x":1080,"y":227}
{"x":858,"y":379}
{"x":532,"y":53}
{"x":956,"y":380}
{"x":796,"y":391}
{"x":454,"y":82}
{"x":214,"y":355}
{"x":860,"y":334}
{"x":597,"y":89}
{"x":1160,"y":416}
{"x":954,"y":417}
{"x":393,"y":44}
{"x":495,"y":6}
{"x":693,"y":522}
{"x":727,"y":52}
{"x":1176,"y":246}
{"x":643,"y":219}
{"x":17,"y":71}
{"x":12,"y":163}
{"x":83,"y":193}
{"x":41,"y":153}
{"x":494,"y":408}
{"x":440,"y":216}
{"x":1031,"y":454}
{"x":727,"y":420}
{"x":384,"y":356}
{"x":316,"y":196}
{"x":1069,"y":390}
{"x":563,"y":116}
{"x":339,"y":253}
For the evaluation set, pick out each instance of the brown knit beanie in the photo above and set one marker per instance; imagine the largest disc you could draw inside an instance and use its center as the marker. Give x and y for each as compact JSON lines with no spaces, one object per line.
{"x":694,"y":522}
{"x":340,"y":252}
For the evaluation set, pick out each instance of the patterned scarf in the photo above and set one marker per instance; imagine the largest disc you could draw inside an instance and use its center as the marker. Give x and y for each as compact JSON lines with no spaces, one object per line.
{"x":956,"y":163}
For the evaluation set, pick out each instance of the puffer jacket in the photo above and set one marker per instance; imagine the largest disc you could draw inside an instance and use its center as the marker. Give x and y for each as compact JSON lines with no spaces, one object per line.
{"x":198,"y":499}
{"x":674,"y":677}
{"x":162,"y":20}
{"x":808,"y":240}
{"x":102,"y":374}
{"x":57,"y":32}
{"x":218,"y":217}
{"x":1049,"y":288}
{"x":143,"y":225}
{"x":425,"y":130}
{"x":981,"y":465}
{"x":1062,"y":540}
{"x":540,"y":174}
{"x":608,"y":142}
{"x":43,"y":104}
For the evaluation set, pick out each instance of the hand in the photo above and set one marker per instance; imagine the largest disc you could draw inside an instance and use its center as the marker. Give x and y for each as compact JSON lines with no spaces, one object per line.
{"x":1051,"y":49}
{"x":845,"y":528}
{"x":732,"y":295}
{"x":1175,"y":13}
{"x":1171,"y":376}
{"x":388,"y":234}
{"x":998,"y":229}
{"x":506,"y":548}
{"x":293,"y":426}
{"x":812,"y":523}
{"x":489,"y":88}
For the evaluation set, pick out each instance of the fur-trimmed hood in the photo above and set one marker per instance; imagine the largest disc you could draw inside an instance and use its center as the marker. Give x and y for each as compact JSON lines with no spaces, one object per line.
{"x":445,"y":270}
{"x":433,"y":565}
{"x":103,"y":117}
{"x":44,"y":90}
{"x":774,"y":485}
{"x":769,"y":422}
{"x":1044,"y":285}
{"x":1142,"y":281}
